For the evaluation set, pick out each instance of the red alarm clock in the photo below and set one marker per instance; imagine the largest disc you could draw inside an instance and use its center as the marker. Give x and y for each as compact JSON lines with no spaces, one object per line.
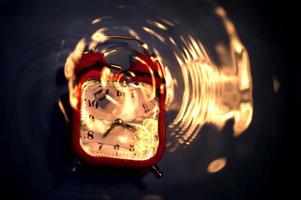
{"x":120,"y":118}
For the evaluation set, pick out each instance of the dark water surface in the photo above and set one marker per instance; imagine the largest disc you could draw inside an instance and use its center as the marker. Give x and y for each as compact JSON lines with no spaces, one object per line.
{"x":37,"y":36}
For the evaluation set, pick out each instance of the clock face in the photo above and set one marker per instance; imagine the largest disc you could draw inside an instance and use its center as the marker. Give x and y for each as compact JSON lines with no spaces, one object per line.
{"x":119,"y":120}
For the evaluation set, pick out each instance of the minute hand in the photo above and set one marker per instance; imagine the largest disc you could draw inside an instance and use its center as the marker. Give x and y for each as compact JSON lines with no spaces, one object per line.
{"x":128,"y":126}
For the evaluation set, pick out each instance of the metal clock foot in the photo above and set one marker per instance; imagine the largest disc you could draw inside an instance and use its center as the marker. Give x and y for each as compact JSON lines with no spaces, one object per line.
{"x":156,"y":171}
{"x":76,"y":165}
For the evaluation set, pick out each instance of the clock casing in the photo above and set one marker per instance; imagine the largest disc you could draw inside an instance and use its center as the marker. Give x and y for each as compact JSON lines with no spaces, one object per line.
{"x":146,"y":71}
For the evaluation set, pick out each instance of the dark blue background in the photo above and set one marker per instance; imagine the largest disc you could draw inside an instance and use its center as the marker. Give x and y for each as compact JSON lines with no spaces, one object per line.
{"x":34,"y":151}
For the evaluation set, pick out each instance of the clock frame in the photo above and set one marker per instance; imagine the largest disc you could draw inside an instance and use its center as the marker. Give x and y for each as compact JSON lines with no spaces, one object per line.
{"x":147,"y":70}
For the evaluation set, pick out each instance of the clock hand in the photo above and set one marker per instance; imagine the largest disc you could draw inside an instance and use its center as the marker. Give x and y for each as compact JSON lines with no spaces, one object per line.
{"x":123,"y":124}
{"x":109,"y":130}
{"x":128,"y":126}
{"x":116,"y":122}
{"x":119,"y":122}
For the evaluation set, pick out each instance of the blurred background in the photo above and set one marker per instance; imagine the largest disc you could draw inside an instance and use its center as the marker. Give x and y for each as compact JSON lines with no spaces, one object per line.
{"x":34,"y":145}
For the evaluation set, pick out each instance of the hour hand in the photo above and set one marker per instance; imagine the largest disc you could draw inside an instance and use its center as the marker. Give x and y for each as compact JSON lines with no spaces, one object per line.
{"x":109,"y":130}
{"x":116,"y":122}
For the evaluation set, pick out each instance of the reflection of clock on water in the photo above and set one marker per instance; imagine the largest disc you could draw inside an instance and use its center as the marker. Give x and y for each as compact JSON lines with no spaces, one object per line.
{"x":120,"y":120}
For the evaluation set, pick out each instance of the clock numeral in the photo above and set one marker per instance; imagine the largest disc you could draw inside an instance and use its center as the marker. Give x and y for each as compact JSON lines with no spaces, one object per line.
{"x":156,"y":138}
{"x":100,"y":146}
{"x":116,"y":147}
{"x":91,"y":118}
{"x":88,"y":102}
{"x":145,"y":152}
{"x":146,"y":109}
{"x":90,"y":135}
{"x":132,"y":148}
{"x":119,"y":93}
{"x":93,"y":103}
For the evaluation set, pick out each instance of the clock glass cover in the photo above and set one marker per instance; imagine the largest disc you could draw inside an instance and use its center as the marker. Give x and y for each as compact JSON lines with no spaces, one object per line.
{"x":119,"y":121}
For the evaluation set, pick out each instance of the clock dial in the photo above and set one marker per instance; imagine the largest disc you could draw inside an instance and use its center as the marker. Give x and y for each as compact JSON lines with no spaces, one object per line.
{"x":119,"y":120}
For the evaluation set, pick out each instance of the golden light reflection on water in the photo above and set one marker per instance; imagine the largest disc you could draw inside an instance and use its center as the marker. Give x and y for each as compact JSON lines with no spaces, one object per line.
{"x":216,"y":165}
{"x":62,"y":109}
{"x":276,"y":84}
{"x":213,"y":94}
{"x":154,"y":33}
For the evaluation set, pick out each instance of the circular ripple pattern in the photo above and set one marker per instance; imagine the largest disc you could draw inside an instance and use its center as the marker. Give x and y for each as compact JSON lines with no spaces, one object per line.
{"x":36,"y":82}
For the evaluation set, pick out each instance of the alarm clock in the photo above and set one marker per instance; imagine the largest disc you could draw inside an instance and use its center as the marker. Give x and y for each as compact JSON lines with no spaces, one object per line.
{"x":120,"y":115}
